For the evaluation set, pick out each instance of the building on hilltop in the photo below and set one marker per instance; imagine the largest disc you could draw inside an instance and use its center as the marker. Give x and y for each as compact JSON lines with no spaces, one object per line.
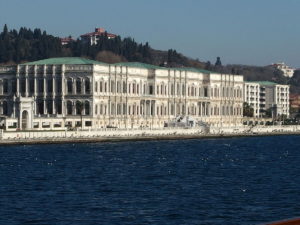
{"x":265,"y":95}
{"x":287,"y":71}
{"x":72,"y":92}
{"x":66,"y":40}
{"x":93,"y":37}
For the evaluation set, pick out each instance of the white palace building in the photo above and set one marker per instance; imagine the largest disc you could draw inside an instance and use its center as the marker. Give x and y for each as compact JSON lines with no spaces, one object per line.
{"x":60,"y":93}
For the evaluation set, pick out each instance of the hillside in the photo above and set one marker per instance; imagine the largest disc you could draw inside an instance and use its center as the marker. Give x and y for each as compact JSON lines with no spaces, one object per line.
{"x":30,"y":45}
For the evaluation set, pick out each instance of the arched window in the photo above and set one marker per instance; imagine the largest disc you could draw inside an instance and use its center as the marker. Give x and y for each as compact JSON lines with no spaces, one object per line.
{"x":78,"y":86}
{"x":69,"y":108}
{"x":58,"y":85}
{"x":124,"y":87}
{"x":79,"y":107}
{"x":96,"y":87}
{"x":112,"y":86}
{"x":58,"y":107}
{"x":49,"y":106}
{"x":5,"y":86}
{"x":118,"y":87}
{"x":150,"y":90}
{"x":124,"y":108}
{"x":101,"y":86}
{"x":40,"y":107}
{"x":119,"y":109}
{"x":87,"y":108}
{"x":205,"y":92}
{"x":101,"y":109}
{"x":87,"y":86}
{"x":177,"y":109}
{"x":69,"y":86}
{"x":49,"y":85}
{"x":23,"y":86}
{"x":5,"y":108}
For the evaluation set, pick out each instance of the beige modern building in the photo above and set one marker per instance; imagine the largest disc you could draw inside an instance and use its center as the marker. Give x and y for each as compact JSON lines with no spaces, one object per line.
{"x":266,"y":95}
{"x":252,"y":96}
{"x":63,"y":92}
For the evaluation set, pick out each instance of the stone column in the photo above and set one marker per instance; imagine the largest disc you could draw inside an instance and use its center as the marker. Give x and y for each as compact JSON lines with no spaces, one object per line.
{"x":63,"y":108}
{"x":73,"y":86}
{"x":53,"y":107}
{"x":18,"y":85}
{"x":45,"y":106}
{"x":73,"y":108}
{"x":45,"y":86}
{"x":35,"y":81}
{"x":82,"y":86}
{"x":201,"y":109}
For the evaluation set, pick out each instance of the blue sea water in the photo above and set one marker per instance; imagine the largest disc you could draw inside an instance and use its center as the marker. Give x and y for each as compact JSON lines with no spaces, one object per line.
{"x":214,"y":181}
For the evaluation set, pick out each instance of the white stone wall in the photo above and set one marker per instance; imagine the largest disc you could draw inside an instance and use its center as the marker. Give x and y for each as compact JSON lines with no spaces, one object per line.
{"x":124,"y":96}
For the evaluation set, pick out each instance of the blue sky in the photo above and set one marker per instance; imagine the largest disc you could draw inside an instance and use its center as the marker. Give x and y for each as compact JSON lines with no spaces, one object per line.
{"x":253,"y":32}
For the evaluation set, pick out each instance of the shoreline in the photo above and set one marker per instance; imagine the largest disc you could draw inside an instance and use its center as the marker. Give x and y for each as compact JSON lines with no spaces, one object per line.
{"x":64,"y":140}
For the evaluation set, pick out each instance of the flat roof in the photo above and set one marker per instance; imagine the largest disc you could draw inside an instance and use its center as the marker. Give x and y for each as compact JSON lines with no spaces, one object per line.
{"x":84,"y":61}
{"x":65,"y":60}
{"x":265,"y":83}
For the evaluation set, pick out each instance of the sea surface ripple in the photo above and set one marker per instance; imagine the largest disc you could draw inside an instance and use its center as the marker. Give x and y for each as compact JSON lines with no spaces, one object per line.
{"x":215,"y":181}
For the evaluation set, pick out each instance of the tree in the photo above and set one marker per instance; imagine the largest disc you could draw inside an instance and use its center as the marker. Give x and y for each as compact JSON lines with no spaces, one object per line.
{"x":5,"y":30}
{"x":218,"y":62}
{"x":248,"y":111}
{"x":109,"y":57}
{"x":79,"y":106}
{"x":208,"y":65}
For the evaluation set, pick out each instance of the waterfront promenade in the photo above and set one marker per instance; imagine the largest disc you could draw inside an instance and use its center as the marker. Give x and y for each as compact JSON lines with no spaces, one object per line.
{"x":111,"y":134}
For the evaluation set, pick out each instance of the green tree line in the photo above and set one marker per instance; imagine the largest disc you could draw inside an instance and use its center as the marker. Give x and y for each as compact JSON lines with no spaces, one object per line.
{"x":23,"y":45}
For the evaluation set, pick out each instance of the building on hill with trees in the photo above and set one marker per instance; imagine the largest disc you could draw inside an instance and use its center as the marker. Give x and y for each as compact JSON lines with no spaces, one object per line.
{"x":93,"y":37}
{"x":286,"y":70}
{"x":66,"y":40}
{"x":73,"y":92}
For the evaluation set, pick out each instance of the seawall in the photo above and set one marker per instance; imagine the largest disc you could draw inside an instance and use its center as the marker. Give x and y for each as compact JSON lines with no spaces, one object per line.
{"x":105,"y":135}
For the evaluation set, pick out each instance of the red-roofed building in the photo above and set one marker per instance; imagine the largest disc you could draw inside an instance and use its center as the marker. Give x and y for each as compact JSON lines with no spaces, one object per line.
{"x":295,"y":103}
{"x":93,"y":37}
{"x":66,"y":40}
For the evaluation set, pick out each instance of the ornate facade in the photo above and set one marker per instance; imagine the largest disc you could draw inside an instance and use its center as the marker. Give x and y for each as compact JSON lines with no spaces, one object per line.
{"x":74,"y":92}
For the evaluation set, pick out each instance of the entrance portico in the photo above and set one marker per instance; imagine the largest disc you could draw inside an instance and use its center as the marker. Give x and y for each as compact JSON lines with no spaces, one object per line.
{"x":26,"y":109}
